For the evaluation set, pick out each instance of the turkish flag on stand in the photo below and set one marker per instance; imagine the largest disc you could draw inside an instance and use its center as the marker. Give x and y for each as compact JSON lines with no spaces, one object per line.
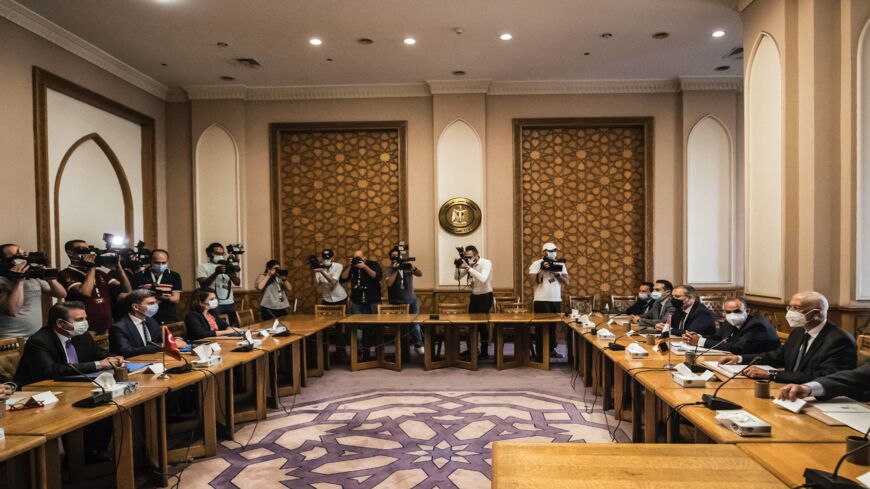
{"x":169,"y":346}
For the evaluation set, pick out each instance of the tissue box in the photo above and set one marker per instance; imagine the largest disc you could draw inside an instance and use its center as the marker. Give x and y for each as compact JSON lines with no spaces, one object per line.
{"x":253,"y":343}
{"x":687,"y":381}
{"x":635,"y":351}
{"x":605,"y":334}
{"x":119,"y":389}
{"x":207,"y":362}
{"x":743,"y":423}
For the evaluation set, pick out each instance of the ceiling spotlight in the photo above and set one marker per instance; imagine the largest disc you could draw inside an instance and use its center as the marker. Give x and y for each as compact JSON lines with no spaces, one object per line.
{"x":222,"y":44}
{"x":315,"y":41}
{"x":606,"y":35}
{"x":506,"y":36}
{"x":718,"y":34}
{"x":410,"y":41}
{"x":227,"y":78}
{"x":722,"y":68}
{"x":587,"y":53}
{"x":661,"y":35}
{"x":365,"y":41}
{"x":459,"y":73}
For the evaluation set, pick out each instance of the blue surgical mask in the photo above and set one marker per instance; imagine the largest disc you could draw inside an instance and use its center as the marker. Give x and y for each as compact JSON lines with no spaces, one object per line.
{"x":656,"y":295}
{"x":152,"y":309}
{"x":213,"y":304}
{"x":643,"y":296}
{"x":160,"y":267}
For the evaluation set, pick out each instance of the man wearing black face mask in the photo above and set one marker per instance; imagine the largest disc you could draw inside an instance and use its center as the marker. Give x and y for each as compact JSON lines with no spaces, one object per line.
{"x":690,"y":314}
{"x":741,"y":332}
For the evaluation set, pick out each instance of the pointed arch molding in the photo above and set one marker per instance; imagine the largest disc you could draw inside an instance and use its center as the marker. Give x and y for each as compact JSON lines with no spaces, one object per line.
{"x":862,"y":206}
{"x":42,"y":82}
{"x":123,"y":183}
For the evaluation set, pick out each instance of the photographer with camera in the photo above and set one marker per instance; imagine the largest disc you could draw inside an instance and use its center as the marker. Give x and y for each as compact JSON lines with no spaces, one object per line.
{"x":400,"y":287}
{"x":221,"y":273}
{"x":547,"y":276}
{"x":479,"y":270}
{"x":327,"y":275}
{"x":165,"y":283}
{"x":24,"y":277}
{"x":85,"y":282}
{"x":365,"y":290}
{"x":274,"y":286}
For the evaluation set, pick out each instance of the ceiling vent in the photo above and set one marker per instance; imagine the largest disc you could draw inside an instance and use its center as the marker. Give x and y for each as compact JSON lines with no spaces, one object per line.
{"x":735,"y":53}
{"x":249,"y":63}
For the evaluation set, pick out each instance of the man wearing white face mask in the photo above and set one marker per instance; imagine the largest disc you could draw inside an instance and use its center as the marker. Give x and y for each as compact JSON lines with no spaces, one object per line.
{"x":644,"y":301}
{"x":137,"y":333}
{"x":815,"y":348}
{"x":547,"y":275}
{"x":63,"y":348}
{"x":740,"y":333}
{"x":165,"y":283}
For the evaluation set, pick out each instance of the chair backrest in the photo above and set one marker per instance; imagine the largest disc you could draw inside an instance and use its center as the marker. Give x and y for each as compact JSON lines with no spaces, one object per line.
{"x":621,"y":303}
{"x":514,"y":308}
{"x":500,"y":302}
{"x":863,"y":348}
{"x":177,"y":329}
{"x":225,"y":317}
{"x":102,"y":340}
{"x":450,"y":308}
{"x":330,"y":311}
{"x":394,"y":308}
{"x":10,"y":354}
{"x":715,"y":303}
{"x":583,"y":303}
{"x":246,"y":317}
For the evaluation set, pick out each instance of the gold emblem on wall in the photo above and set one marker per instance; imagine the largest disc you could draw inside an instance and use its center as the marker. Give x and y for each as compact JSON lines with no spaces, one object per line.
{"x":460,"y":216}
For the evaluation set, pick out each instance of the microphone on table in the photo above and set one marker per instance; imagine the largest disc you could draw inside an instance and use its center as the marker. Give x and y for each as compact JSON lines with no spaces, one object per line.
{"x":824,"y":480}
{"x":694,"y":367}
{"x":286,"y":331}
{"x":96,"y":399}
{"x":720,"y":404}
{"x":174,"y":370}
{"x":613,"y":345}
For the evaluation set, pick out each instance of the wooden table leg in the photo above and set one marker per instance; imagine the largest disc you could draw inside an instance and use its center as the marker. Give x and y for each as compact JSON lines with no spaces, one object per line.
{"x":427,"y":345}
{"x":545,"y":355}
{"x":618,"y":390}
{"x":274,"y":397}
{"x":52,"y":464}
{"x":650,"y":420}
{"x":123,"y":429}
{"x":209,"y":415}
{"x":607,"y":395}
{"x":260,"y":385}
{"x":155,"y":439}
{"x":499,"y":347}
{"x":352,"y":341}
{"x":586,"y":360}
{"x":636,"y":410}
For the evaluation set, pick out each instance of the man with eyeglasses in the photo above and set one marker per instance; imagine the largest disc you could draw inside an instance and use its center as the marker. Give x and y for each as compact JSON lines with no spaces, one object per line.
{"x":815,"y":348}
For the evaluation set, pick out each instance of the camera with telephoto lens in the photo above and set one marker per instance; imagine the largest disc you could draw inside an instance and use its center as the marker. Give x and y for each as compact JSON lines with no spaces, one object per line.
{"x":462,"y":258}
{"x":553,"y":265}
{"x":38,"y":267}
{"x":231,"y":263}
{"x":403,"y":261}
{"x":314,"y":263}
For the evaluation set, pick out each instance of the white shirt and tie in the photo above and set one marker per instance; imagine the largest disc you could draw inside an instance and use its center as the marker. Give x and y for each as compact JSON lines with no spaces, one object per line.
{"x":142,"y":328}
{"x":67,"y":345}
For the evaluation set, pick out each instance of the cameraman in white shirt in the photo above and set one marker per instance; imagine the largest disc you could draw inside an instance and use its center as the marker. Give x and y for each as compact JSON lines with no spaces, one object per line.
{"x":547,"y":275}
{"x":480,"y":272}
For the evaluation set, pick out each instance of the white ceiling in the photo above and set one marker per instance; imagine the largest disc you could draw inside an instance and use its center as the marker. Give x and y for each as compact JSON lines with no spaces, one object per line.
{"x":549,"y":38}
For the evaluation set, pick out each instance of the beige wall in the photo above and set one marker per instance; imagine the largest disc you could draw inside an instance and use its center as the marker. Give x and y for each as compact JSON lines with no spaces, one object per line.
{"x":492,"y":117}
{"x":21,"y":51}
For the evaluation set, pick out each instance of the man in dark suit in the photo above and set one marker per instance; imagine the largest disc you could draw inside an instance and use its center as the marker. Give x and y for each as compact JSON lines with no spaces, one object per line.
{"x":815,"y":348}
{"x":644,"y":301}
{"x":740,"y":333}
{"x":62,"y":348}
{"x":849,"y":383}
{"x":689,"y":314}
{"x":137,"y":333}
{"x":661,"y":307}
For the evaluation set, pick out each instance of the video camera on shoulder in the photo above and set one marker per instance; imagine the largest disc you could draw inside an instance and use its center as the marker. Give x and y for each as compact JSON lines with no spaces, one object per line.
{"x":231,"y":263}
{"x":36,"y":260}
{"x":462,"y":258}
{"x":117,"y":250}
{"x":402,"y":261}
{"x":553,"y":265}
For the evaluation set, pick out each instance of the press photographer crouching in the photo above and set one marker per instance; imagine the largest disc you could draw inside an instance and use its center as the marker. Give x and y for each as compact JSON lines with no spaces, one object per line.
{"x":400,"y":287}
{"x":221,"y":273}
{"x":165,"y":283}
{"x":85,"y":282}
{"x":275,"y":287}
{"x":24,"y":277}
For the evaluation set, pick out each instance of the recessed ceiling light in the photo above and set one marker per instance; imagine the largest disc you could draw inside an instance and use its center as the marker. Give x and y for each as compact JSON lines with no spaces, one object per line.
{"x":661,"y":35}
{"x":315,"y":41}
{"x":365,"y":41}
{"x":506,"y":36}
{"x":722,"y":68}
{"x":718,"y":33}
{"x":587,"y":53}
{"x":459,"y":73}
{"x":606,"y":35}
{"x":410,"y":41}
{"x":222,"y":44}
{"x":162,"y":64}
{"x":227,"y":78}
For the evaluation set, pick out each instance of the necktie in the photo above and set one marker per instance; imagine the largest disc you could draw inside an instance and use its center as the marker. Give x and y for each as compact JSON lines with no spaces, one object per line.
{"x":801,"y":352}
{"x":71,"y":352}
{"x":145,"y":333}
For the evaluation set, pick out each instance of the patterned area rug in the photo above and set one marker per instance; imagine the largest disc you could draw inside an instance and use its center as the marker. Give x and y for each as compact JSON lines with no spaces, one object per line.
{"x":395,"y":439}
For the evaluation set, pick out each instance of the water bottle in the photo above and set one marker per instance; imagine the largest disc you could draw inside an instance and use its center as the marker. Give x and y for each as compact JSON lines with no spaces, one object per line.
{"x":606,"y":311}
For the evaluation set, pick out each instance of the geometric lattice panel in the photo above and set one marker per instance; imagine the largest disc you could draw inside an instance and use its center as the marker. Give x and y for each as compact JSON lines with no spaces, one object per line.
{"x":583,"y":188}
{"x":339,"y":189}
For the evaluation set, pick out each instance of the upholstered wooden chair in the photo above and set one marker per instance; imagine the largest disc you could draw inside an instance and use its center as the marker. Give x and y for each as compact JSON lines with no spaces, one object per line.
{"x":716,"y":305}
{"x":438,"y":338}
{"x":330,"y":312}
{"x":335,"y":312}
{"x":177,"y":329}
{"x":450,"y":308}
{"x":620,"y":303}
{"x":500,"y":302}
{"x":102,"y":340}
{"x":863,"y":348}
{"x":246,"y":317}
{"x":394,"y":308}
{"x":10,"y":354}
{"x":514,"y":308}
{"x":583,"y":303}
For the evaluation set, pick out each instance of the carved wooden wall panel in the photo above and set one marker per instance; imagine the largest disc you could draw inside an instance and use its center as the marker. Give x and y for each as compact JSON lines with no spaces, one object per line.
{"x":584,"y":185}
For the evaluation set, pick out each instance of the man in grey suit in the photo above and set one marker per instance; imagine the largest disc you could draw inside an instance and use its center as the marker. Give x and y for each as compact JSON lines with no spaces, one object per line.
{"x":661,"y":308}
{"x":850,"y":383}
